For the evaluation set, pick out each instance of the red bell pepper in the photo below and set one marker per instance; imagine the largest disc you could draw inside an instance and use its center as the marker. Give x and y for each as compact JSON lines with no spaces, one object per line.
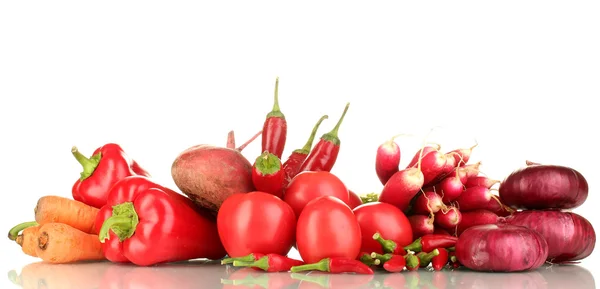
{"x":108,"y":165}
{"x":145,"y":223}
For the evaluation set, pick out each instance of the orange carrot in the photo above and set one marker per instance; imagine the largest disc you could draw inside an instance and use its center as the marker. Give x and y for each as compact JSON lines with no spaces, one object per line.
{"x":27,"y":238}
{"x":55,"y":209}
{"x":61,"y":243}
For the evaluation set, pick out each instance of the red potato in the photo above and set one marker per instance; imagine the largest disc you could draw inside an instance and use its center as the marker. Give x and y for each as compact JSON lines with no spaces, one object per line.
{"x":501,"y":248}
{"x":538,"y":186}
{"x":474,"y":218}
{"x":570,"y":236}
{"x":387,"y":160}
{"x":474,"y":198}
{"x":481,"y":181}
{"x":428,"y":202}
{"x":448,"y":218}
{"x":209,"y":174}
{"x":421,"y":225}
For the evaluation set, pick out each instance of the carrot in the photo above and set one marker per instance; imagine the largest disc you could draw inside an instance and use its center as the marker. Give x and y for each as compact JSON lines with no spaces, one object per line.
{"x":61,"y":243}
{"x":27,"y":237}
{"x":55,"y":209}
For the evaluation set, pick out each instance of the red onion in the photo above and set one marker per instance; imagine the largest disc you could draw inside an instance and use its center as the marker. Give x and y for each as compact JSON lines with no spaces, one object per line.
{"x":570,"y":237}
{"x":501,"y":248}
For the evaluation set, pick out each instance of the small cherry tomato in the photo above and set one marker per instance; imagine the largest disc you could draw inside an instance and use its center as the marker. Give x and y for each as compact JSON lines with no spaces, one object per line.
{"x":256,"y":222}
{"x":353,"y":200}
{"x":389,"y":221}
{"x":327,"y":228}
{"x":309,"y":185}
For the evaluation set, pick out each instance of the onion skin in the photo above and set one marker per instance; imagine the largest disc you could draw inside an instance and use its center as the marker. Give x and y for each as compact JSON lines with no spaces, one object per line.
{"x":570,"y":237}
{"x":501,"y":248}
{"x":537,"y":187}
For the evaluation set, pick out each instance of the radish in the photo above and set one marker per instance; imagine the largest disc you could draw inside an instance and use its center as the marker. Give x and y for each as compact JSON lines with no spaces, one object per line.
{"x":450,"y":188}
{"x":570,"y":236}
{"x":440,"y":231}
{"x":462,"y":156}
{"x":387,"y":160}
{"x":420,"y":153}
{"x":427,"y":202}
{"x":538,"y":186}
{"x":481,"y":181}
{"x":421,"y":225}
{"x":467,"y":171}
{"x":474,"y":218}
{"x":433,"y":165}
{"x":208,"y":174}
{"x":501,"y":248}
{"x":474,"y":198}
{"x":448,"y":218}
{"x":497,"y":207}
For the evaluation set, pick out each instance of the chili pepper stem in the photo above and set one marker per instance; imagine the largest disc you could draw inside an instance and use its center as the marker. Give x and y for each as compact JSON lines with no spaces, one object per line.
{"x":322,"y":265}
{"x":123,"y":222}
{"x":89,"y":164}
{"x":307,"y":147}
{"x":247,"y":258}
{"x":388,"y":245}
{"x":276,"y":112}
{"x":262,"y":263}
{"x":369,"y":198}
{"x":321,"y":280}
{"x":412,"y":261}
{"x":332,"y":136}
{"x":13,"y":233}
{"x":415,"y":246}
{"x":381,"y":257}
{"x":268,"y":163}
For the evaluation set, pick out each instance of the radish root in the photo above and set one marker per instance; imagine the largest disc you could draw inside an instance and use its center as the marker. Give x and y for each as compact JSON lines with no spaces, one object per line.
{"x":244,"y":145}
{"x":231,"y":140}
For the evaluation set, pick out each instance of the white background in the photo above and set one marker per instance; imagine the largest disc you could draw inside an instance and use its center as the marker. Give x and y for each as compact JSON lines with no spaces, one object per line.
{"x":520,"y":77}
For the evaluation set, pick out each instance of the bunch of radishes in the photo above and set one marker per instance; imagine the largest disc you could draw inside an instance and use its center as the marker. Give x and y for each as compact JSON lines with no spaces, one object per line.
{"x":519,"y":228}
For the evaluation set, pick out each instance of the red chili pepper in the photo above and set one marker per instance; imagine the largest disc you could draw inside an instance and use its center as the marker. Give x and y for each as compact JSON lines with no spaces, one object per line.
{"x":412,"y":262}
{"x":336,"y":265}
{"x":108,"y":165}
{"x":395,"y":264}
{"x":438,"y":262}
{"x":429,"y":242}
{"x":248,"y":258}
{"x":292,"y":165}
{"x":267,"y":175}
{"x":389,"y":246}
{"x":145,"y":223}
{"x":270,"y":263}
{"x":453,"y":260}
{"x":425,"y":258}
{"x":274,"y":128}
{"x":323,"y":156}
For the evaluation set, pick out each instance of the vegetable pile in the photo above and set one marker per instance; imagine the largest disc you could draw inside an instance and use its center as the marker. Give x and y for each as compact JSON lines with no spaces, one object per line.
{"x":438,"y":212}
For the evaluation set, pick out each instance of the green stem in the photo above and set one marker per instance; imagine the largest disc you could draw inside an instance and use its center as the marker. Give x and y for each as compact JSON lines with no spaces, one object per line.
{"x":332,"y":136}
{"x":262,"y":263}
{"x":307,"y":147}
{"x":322,"y":265}
{"x":369,"y":198}
{"x":267,"y":164}
{"x":412,"y":261}
{"x":381,"y":257}
{"x":247,"y":258}
{"x":425,"y":258}
{"x":109,"y":224}
{"x":388,"y":245}
{"x":276,"y":112}
{"x":415,"y":246}
{"x":14,"y":277}
{"x":14,"y":231}
{"x":89,"y":164}
{"x":368,"y":260}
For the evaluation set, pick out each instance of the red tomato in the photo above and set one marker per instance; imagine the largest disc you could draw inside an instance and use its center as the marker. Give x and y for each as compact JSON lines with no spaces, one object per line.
{"x":386,"y":219}
{"x":353,"y":200}
{"x":308,"y":185}
{"x":256,"y":222}
{"x":327,"y":228}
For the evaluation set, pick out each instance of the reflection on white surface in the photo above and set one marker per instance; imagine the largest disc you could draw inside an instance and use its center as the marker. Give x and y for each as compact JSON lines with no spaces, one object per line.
{"x":202,"y":274}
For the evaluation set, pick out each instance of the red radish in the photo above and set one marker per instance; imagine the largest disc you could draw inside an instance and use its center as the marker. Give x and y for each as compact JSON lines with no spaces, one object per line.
{"x":462,"y":156}
{"x":497,"y":207}
{"x":421,"y":225}
{"x":268,"y":175}
{"x":467,"y":171}
{"x":402,"y":187}
{"x":570,"y":236}
{"x":387,"y":160}
{"x":448,"y":218}
{"x":441,"y":231}
{"x":501,"y":248}
{"x":474,"y":198}
{"x":433,"y":165}
{"x":539,"y":186}
{"x":427,"y":203}
{"x":481,"y":181}
{"x":450,"y":188}
{"x":474,"y":218}
{"x":427,"y":149}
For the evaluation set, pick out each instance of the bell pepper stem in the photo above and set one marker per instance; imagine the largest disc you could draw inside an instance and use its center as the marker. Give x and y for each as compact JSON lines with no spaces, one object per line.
{"x":13,"y":233}
{"x":322,"y":265}
{"x":123,"y":222}
{"x":89,"y":164}
{"x":262,"y":263}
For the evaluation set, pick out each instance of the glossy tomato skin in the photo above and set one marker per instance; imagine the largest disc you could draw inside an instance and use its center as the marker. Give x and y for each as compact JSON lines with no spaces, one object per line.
{"x":386,"y":219}
{"x":309,"y":185}
{"x":353,"y":200}
{"x":326,"y":228}
{"x":256,"y":222}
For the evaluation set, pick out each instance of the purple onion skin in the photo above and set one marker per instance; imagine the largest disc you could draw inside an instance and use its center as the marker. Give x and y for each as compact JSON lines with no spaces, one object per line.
{"x":538,"y":186}
{"x":501,"y":248}
{"x":570,"y":237}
